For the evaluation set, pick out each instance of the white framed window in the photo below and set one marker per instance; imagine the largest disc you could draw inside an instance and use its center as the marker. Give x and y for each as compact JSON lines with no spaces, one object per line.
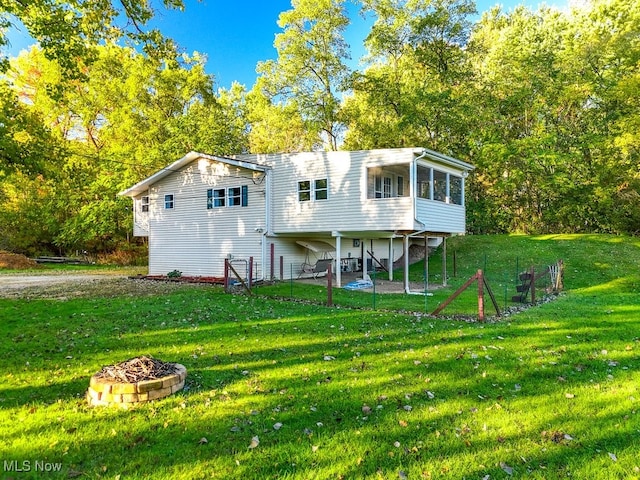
{"x":228,"y":197}
{"x":455,"y":190}
{"x":234,"y":195}
{"x":439,"y":186}
{"x":399,"y":186}
{"x":215,"y":198}
{"x":304,"y":191}
{"x":388,"y":181}
{"x":169,"y":203}
{"x":320,"y":189}
{"x":382,"y":187}
{"x":317,"y":189}
{"x":424,"y":182}
{"x":144,"y":203}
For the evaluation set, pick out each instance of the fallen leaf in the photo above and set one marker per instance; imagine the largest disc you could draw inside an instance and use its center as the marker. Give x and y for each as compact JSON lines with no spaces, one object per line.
{"x":255,"y":441}
{"x":402,"y":475}
{"x":569,"y":395}
{"x":613,"y":457}
{"x":202,"y":441}
{"x":277,"y":426}
{"x":366,"y":409}
{"x":506,"y":468}
{"x":328,"y":358}
{"x":408,"y":408}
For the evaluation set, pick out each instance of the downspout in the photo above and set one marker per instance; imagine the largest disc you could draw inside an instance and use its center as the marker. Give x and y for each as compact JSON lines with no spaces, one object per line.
{"x":413,"y":191}
{"x":267,"y":222}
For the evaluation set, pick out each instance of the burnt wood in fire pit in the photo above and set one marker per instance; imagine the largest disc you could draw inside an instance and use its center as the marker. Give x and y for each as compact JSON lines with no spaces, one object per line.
{"x":139,"y":379}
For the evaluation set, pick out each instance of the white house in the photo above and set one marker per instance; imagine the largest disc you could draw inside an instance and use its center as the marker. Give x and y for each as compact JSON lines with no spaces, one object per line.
{"x":285,"y":210}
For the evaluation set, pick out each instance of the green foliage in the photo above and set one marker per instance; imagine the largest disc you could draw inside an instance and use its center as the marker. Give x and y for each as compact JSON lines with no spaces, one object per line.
{"x":167,"y":108}
{"x":413,"y":93}
{"x":353,"y":393}
{"x":310,"y":70}
{"x":544,"y":103}
{"x":547,"y":94}
{"x":68,"y":31}
{"x":174,"y":274}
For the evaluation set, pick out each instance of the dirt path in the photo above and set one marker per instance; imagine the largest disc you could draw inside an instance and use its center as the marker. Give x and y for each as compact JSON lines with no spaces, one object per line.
{"x":18,"y":282}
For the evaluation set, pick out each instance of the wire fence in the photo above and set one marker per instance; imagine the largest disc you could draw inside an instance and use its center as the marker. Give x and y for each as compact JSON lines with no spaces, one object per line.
{"x":510,"y":284}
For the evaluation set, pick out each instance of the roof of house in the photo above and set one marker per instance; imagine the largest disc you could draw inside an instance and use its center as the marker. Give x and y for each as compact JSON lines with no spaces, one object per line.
{"x":143,"y":185}
{"x":242,"y":161}
{"x":441,"y":157}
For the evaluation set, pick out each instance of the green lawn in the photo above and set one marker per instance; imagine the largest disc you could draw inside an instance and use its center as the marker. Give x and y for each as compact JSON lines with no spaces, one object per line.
{"x":342,"y":392}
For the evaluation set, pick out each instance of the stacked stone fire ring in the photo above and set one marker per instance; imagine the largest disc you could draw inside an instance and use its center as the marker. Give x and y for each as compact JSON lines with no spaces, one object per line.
{"x":137,"y":380}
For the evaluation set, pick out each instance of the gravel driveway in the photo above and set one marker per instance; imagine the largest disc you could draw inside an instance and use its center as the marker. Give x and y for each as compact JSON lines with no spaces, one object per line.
{"x":18,"y":282}
{"x":63,"y":286}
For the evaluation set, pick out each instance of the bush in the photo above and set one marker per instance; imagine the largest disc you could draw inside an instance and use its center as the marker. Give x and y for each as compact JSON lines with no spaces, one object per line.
{"x":129,"y":256}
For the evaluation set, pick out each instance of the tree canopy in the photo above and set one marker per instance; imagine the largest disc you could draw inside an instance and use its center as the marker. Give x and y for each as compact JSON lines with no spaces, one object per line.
{"x":543,"y":102}
{"x":68,"y":31}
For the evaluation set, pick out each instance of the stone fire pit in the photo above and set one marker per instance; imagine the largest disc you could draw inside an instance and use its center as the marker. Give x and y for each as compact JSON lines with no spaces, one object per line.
{"x":137,"y":380}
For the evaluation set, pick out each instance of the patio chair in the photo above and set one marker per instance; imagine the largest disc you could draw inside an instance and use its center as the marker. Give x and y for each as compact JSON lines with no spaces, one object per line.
{"x":321,"y":266}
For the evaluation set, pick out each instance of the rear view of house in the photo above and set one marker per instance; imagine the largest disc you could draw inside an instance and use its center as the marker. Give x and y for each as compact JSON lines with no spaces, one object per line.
{"x":365,"y":207}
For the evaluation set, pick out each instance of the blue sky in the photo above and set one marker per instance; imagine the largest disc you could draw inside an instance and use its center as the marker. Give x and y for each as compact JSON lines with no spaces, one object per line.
{"x":236,"y":35}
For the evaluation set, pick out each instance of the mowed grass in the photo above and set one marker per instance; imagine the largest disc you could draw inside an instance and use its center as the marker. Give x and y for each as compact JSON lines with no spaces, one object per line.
{"x":551,"y":392}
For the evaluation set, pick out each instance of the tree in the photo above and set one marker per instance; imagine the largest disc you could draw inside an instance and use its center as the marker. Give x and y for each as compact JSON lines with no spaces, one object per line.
{"x":277,"y":127}
{"x":413,"y":92}
{"x":310,"y":71}
{"x":69,"y":30}
{"x":556,"y":113}
{"x":127,"y":118}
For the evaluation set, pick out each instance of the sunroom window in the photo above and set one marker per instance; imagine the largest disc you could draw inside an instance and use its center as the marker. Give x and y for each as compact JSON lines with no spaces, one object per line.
{"x":388,"y":181}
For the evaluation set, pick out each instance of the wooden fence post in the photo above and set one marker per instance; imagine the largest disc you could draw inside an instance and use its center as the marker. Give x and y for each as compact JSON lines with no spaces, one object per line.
{"x":329,"y":286}
{"x":226,"y":275}
{"x":281,"y":267}
{"x":480,"y":275}
{"x":273,"y":260}
{"x":533,"y":284}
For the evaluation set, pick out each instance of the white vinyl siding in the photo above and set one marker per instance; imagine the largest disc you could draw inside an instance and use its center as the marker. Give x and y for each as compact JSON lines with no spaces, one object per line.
{"x":141,"y":207}
{"x":196,"y":240}
{"x":352,"y":204}
{"x":440,"y":217}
